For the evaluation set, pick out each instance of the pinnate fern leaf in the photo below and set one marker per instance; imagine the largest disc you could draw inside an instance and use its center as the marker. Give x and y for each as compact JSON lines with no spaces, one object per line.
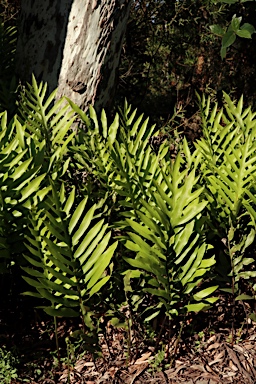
{"x":229,"y":171}
{"x":169,"y":239}
{"x":71,"y":246}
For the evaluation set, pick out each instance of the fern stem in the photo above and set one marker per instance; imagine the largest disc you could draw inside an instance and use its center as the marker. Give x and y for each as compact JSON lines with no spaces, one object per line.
{"x":160,"y":334}
{"x":56,"y":338}
{"x":177,"y":343}
{"x":129,"y":341}
{"x":68,"y":358}
{"x":232,"y":288}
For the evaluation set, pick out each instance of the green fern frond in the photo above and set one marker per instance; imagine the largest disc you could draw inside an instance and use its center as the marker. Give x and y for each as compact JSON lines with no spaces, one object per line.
{"x":230,"y":156}
{"x":71,"y":246}
{"x":47,"y":120}
{"x":229,"y":171}
{"x":169,"y":239}
{"x":20,"y":179}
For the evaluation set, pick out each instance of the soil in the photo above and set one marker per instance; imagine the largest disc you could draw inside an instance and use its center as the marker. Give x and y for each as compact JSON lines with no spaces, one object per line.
{"x":217,"y":346}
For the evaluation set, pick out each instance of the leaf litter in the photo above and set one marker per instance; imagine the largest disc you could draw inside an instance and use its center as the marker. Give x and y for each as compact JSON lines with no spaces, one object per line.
{"x":205,"y":354}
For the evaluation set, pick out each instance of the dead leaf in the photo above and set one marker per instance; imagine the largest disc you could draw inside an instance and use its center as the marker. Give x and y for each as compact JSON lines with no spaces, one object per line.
{"x":217,"y":358}
{"x":144,"y":357}
{"x":213,"y":346}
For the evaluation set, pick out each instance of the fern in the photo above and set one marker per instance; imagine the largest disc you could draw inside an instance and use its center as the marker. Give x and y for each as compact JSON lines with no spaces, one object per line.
{"x":168,"y":209}
{"x":91,"y":152}
{"x":137,"y":165}
{"x":47,"y":121}
{"x":169,"y":242}
{"x":112,"y":156}
{"x":159,"y":205}
{"x":31,"y":148}
{"x":20,"y":180}
{"x":229,"y":171}
{"x":69,"y":253}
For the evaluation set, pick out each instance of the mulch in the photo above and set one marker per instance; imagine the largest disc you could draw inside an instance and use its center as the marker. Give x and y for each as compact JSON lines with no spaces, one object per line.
{"x":214,"y":347}
{"x":209,"y":359}
{"x":214,"y":361}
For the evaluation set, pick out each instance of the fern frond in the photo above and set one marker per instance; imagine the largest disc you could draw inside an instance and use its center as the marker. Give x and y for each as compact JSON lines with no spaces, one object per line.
{"x":230,"y":157}
{"x":47,"y":120}
{"x":169,"y":239}
{"x":229,"y":172}
{"x":71,"y":246}
{"x":20,"y":179}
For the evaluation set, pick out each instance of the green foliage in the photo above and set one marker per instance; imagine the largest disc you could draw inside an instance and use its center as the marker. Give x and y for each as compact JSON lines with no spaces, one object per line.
{"x":8,"y":371}
{"x":31,"y":147}
{"x":143,"y":182}
{"x":20,"y":178}
{"x":91,"y":153}
{"x":170,"y":53}
{"x":185,"y":224}
{"x":136,"y":166}
{"x":111,"y":155}
{"x":157,"y":361}
{"x":70,"y":252}
{"x":229,"y":159}
{"x":49,"y":122}
{"x":168,"y":238}
{"x":234,"y":29}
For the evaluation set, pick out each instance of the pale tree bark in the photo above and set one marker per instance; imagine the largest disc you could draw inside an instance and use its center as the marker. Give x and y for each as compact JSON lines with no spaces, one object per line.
{"x":74,"y":45}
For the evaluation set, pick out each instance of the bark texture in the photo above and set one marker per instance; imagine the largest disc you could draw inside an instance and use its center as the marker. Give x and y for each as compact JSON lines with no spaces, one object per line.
{"x":74,"y":45}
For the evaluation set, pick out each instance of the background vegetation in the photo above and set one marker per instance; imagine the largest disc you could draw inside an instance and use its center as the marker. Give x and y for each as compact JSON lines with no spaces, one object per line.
{"x":170,"y":53}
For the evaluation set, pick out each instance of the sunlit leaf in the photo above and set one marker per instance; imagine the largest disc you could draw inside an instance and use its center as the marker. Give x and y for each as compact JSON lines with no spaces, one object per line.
{"x":61,"y":312}
{"x":205,"y":292}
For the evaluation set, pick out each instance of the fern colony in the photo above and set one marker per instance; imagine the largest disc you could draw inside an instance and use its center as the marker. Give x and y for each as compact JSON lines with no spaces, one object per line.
{"x":88,"y":207}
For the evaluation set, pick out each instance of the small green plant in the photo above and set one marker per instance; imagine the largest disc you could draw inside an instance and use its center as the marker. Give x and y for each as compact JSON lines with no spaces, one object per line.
{"x":156,"y":362}
{"x":199,"y":341}
{"x":8,"y":371}
{"x":230,"y":34}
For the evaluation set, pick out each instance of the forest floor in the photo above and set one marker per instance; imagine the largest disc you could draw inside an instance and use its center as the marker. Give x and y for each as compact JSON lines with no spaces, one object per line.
{"x":204,"y":353}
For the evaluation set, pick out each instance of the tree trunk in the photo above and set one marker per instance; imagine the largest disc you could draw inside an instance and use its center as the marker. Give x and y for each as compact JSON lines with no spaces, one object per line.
{"x":74,"y":45}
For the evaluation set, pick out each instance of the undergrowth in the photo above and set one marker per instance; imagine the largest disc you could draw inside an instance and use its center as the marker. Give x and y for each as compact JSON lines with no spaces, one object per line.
{"x":105,"y":228}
